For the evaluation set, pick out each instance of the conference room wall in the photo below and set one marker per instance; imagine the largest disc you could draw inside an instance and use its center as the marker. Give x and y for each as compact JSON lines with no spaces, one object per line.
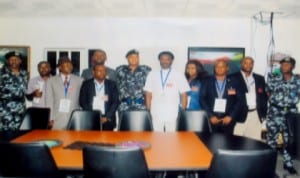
{"x":149,"y":36}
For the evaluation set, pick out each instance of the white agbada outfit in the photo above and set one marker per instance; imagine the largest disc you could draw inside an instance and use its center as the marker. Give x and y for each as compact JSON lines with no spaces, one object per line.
{"x":166,"y":86}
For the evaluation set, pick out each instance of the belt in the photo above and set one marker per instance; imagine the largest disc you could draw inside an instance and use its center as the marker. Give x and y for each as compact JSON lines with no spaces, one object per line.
{"x":284,"y":108}
{"x":251,"y":110}
{"x":132,"y":101}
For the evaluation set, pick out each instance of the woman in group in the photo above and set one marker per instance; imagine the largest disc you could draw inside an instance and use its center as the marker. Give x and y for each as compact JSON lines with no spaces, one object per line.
{"x":195,"y":73}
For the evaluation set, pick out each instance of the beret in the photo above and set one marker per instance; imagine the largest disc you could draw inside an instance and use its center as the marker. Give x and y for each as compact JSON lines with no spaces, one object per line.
{"x":288,"y":59}
{"x":130,"y":52}
{"x":13,"y":53}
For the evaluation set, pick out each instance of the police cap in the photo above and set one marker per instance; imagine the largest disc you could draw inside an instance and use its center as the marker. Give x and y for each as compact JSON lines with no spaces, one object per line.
{"x":288,"y":59}
{"x":13,"y":53}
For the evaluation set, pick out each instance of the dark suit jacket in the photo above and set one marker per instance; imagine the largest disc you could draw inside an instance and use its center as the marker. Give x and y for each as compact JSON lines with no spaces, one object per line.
{"x":261,"y":95}
{"x":236,"y":106}
{"x":87,"y":93}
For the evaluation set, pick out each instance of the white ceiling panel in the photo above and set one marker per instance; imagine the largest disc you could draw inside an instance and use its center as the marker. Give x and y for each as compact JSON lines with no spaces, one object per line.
{"x":148,"y":8}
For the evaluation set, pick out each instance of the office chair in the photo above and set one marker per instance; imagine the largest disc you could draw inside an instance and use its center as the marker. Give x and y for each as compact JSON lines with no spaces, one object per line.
{"x":35,"y":118}
{"x":243,"y":164}
{"x":27,"y":160}
{"x":193,"y":120}
{"x":136,"y":120}
{"x":114,"y":162}
{"x":85,"y":120}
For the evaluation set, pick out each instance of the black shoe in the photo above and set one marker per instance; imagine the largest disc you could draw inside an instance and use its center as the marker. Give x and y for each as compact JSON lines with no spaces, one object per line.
{"x":290,"y":169}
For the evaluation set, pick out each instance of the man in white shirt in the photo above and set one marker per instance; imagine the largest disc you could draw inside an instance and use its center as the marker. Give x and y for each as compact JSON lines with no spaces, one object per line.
{"x":165,"y":89}
{"x":36,"y":91}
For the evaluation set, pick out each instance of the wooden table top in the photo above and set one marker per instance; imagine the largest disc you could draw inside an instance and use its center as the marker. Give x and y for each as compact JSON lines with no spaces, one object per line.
{"x":168,"y":151}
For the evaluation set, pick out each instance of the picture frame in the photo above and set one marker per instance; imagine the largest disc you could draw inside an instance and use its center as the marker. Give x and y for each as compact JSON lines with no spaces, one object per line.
{"x":208,"y":55}
{"x":24,"y":50}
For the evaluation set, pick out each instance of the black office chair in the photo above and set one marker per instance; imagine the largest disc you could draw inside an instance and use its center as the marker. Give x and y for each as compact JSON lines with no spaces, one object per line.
{"x":35,"y":118}
{"x":243,"y":164}
{"x":136,"y":120}
{"x":85,"y":120}
{"x":114,"y":162}
{"x":27,"y":160}
{"x":193,"y":120}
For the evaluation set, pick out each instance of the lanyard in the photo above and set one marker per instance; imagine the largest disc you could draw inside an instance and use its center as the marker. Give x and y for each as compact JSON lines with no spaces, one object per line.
{"x":220,"y":89}
{"x":98,"y":88}
{"x":164,"y":80}
{"x":67,"y":88}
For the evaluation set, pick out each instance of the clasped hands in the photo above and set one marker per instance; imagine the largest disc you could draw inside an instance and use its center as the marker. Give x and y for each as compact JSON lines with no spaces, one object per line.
{"x":225,"y":120}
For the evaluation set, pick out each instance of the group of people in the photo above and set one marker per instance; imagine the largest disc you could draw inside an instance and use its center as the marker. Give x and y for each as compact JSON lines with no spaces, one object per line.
{"x":237,"y":103}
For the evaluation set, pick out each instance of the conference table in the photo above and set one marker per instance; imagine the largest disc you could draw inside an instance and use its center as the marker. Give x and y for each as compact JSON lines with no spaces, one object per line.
{"x":167,"y":151}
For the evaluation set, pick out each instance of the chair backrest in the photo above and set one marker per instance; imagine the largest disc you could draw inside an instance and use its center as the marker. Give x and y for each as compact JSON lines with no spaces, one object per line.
{"x":85,"y":120}
{"x":35,"y":118}
{"x":193,"y":120}
{"x":243,"y":164}
{"x":136,"y":120}
{"x":114,"y":162}
{"x":26,"y":160}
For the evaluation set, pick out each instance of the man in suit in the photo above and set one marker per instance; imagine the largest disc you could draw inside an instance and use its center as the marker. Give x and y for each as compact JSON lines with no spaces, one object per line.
{"x":99,"y":57}
{"x":253,"y":86}
{"x":62,"y":94}
{"x":101,"y":94}
{"x":222,"y":99}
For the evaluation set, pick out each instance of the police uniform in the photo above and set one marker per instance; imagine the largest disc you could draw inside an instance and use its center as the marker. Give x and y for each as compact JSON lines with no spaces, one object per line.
{"x":283,"y":98}
{"x":12,"y":96}
{"x":130,"y":85}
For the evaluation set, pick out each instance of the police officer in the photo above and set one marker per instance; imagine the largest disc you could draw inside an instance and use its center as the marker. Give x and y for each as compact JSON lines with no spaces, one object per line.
{"x":131,"y":79}
{"x":284,"y":93}
{"x":13,"y":83}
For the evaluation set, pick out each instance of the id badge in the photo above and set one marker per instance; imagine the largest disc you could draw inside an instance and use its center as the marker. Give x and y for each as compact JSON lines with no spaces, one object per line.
{"x":36,"y":100}
{"x":220,"y":105}
{"x":98,"y":103}
{"x":64,"y":105}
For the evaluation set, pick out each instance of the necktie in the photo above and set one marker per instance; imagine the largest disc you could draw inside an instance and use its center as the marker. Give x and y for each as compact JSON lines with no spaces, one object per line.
{"x":66,"y":81}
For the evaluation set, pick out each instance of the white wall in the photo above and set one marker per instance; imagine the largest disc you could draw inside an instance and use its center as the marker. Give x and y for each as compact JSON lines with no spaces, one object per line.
{"x":150,"y":36}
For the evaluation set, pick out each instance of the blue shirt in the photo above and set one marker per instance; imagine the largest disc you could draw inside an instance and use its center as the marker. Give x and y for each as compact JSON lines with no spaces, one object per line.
{"x":194,"y":95}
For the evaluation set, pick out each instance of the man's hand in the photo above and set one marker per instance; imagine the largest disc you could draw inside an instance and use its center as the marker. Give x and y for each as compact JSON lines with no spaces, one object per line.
{"x":103,"y":120}
{"x":214,"y":120}
{"x":227,"y":120}
{"x":37,"y":93}
{"x":50,"y":124}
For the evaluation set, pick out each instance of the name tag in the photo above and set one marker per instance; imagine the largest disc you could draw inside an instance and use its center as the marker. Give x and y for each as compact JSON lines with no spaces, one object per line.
{"x":220,"y":105}
{"x":98,"y":103}
{"x":36,"y":100}
{"x":64,"y":105}
{"x":231,"y":92}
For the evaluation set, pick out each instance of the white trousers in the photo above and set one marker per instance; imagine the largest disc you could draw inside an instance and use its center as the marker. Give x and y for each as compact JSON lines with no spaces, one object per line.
{"x":163,"y":126}
{"x":250,"y":128}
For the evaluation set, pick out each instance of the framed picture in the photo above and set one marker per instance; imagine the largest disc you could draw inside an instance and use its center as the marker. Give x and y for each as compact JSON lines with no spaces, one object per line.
{"x":24,"y":50}
{"x":208,"y":55}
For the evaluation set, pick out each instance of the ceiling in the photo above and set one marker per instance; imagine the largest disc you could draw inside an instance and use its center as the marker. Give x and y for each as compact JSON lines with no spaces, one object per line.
{"x":150,"y":8}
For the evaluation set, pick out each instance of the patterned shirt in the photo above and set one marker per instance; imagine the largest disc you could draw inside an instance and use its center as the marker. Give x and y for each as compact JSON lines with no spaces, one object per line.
{"x":12,"y":98}
{"x":284,"y":94}
{"x":130,"y":85}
